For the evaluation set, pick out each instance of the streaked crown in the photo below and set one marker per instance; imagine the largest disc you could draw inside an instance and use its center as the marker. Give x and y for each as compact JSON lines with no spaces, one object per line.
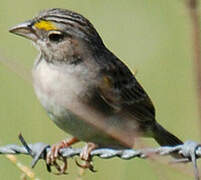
{"x":74,"y":23}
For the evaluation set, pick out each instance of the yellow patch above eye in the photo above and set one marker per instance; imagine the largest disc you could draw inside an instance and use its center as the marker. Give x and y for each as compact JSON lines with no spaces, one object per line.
{"x":45,"y":25}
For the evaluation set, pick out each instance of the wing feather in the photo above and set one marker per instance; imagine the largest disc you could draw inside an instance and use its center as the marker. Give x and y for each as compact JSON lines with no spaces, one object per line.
{"x":120,"y":89}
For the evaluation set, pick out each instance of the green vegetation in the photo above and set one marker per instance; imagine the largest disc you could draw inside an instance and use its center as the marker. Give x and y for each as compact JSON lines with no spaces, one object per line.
{"x":152,"y":37}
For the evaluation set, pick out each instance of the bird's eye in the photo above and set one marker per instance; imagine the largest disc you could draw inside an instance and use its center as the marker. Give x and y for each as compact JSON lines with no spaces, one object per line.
{"x":56,"y":36}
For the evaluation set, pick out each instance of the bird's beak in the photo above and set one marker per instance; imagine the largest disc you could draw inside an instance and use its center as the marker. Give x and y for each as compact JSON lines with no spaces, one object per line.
{"x":25,"y":29}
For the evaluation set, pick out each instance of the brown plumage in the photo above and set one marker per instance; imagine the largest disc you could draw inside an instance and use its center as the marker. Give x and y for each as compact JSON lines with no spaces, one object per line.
{"x":86,"y":90}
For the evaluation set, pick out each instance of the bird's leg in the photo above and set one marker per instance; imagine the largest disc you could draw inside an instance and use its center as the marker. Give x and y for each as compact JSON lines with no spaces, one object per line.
{"x":53,"y":154}
{"x":85,"y":156}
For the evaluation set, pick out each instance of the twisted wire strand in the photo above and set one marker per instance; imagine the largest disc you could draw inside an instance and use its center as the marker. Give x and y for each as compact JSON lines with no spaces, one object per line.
{"x":190,"y":150}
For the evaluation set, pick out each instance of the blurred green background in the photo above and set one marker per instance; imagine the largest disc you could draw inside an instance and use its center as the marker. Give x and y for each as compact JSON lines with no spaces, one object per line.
{"x":152,"y":37}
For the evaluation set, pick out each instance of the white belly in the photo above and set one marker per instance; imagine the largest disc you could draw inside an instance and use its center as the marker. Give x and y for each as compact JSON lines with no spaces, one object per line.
{"x":59,"y":92}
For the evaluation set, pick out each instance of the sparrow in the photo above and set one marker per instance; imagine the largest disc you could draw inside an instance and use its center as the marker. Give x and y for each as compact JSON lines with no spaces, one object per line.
{"x":85,"y":89}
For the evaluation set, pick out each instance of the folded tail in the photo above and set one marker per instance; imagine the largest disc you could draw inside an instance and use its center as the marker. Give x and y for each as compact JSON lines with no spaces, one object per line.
{"x":165,"y":138}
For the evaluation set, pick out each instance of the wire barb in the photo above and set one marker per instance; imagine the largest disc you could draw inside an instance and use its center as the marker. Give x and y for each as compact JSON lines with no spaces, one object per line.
{"x":190,"y":150}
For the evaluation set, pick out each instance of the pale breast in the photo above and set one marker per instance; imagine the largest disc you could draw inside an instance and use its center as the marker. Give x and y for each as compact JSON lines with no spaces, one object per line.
{"x":57,"y":84}
{"x":59,"y":90}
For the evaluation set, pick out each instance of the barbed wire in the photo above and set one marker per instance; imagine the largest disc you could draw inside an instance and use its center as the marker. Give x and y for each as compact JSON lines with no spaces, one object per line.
{"x":190,"y":151}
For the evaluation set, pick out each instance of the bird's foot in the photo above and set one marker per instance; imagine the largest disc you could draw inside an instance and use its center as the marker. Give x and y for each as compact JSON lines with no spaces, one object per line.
{"x":86,"y":157}
{"x":53,"y":155}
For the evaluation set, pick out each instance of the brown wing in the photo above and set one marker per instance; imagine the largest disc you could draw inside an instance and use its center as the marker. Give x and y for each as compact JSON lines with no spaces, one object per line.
{"x":115,"y":100}
{"x":122,"y":92}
